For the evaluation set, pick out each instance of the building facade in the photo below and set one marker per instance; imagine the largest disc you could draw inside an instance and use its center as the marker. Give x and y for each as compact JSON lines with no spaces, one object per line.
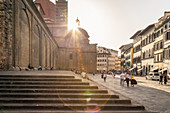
{"x":151,"y":48}
{"x":166,"y":40}
{"x":76,"y":53}
{"x":56,"y":17}
{"x":106,"y":59}
{"x":158,"y":46}
{"x":148,"y":48}
{"x":25,"y":38}
{"x":126,"y":57}
{"x":136,"y":53}
{"x":129,"y":57}
{"x":118,"y":64}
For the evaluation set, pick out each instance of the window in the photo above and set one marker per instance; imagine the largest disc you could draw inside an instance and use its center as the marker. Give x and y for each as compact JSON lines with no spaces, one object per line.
{"x":158,"y":33}
{"x":154,"y":47}
{"x":147,"y":40}
{"x":165,"y":26}
{"x":161,"y":45}
{"x":167,"y":36}
{"x":150,"y":38}
{"x":154,"y":35}
{"x":157,"y":58}
{"x":162,"y":31}
{"x":164,"y":54}
{"x":149,"y":53}
{"x":143,"y":55}
{"x":143,"y":42}
{"x":157,"y":46}
{"x":161,"y":58}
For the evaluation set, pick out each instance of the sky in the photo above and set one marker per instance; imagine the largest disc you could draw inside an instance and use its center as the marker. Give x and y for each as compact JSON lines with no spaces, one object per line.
{"x":111,"y":23}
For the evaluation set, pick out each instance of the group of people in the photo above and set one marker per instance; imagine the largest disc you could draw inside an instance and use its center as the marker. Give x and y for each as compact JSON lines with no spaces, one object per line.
{"x":39,"y":68}
{"x":123,"y":77}
{"x":127,"y":77}
{"x":163,"y":77}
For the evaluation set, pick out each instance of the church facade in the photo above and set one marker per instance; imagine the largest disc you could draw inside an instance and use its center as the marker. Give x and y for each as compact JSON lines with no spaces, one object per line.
{"x":76,"y":53}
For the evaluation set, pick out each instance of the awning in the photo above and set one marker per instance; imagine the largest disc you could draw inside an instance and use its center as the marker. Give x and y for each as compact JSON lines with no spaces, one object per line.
{"x":140,"y":69}
{"x":156,"y":68}
{"x":131,"y":69}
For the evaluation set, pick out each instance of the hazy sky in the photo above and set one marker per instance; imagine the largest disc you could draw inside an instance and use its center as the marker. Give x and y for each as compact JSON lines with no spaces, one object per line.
{"x":111,"y":23}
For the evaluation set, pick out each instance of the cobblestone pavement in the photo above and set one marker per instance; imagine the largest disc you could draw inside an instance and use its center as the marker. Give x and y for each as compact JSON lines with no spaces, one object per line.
{"x":151,"y":94}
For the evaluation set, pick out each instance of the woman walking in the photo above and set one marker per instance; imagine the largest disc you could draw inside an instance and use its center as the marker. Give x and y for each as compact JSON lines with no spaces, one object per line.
{"x":133,"y":81}
{"x":127,"y":79}
{"x":165,"y":78}
{"x":161,"y":78}
{"x":105,"y":76}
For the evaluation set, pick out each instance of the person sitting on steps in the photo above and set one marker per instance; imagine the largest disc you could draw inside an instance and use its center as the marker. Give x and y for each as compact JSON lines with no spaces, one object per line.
{"x":39,"y":68}
{"x":19,"y":68}
{"x":29,"y":67}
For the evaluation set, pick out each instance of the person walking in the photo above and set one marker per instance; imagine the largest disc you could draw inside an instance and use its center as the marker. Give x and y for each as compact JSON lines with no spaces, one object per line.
{"x":161,"y":78}
{"x":122,"y":76}
{"x":105,"y":76}
{"x":102,"y":75}
{"x":127,"y":79}
{"x":132,"y":80}
{"x":165,"y":78}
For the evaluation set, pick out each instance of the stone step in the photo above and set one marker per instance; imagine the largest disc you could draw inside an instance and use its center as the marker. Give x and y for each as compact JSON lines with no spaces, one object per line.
{"x":49,"y":86}
{"x":58,"y":106}
{"x":57,"y":95}
{"x":51,"y":90}
{"x":71,"y":111}
{"x":45,"y":82}
{"x":37,"y":76}
{"x":37,"y":79}
{"x":65,"y":100}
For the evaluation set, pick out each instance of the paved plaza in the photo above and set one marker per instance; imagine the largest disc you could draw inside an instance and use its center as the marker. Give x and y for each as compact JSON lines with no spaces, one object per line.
{"x":151,"y":94}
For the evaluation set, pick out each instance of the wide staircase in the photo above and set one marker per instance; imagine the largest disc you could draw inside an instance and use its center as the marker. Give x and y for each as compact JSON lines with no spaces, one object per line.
{"x":58,"y":94}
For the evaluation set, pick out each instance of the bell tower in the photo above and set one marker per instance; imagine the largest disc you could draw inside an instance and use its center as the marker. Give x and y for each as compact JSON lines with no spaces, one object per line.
{"x":61,"y":17}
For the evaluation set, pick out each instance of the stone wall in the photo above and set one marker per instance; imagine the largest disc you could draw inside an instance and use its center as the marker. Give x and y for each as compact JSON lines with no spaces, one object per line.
{"x":6,"y":34}
{"x":25,"y":38}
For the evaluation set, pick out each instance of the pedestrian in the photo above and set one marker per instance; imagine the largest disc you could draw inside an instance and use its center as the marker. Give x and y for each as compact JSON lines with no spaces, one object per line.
{"x":39,"y":68}
{"x":127,"y":79}
{"x":122,"y":76}
{"x":165,"y":78}
{"x":113,"y":75}
{"x":132,"y":80}
{"x":161,"y":78}
{"x":102,"y":75}
{"x":105,"y":76}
